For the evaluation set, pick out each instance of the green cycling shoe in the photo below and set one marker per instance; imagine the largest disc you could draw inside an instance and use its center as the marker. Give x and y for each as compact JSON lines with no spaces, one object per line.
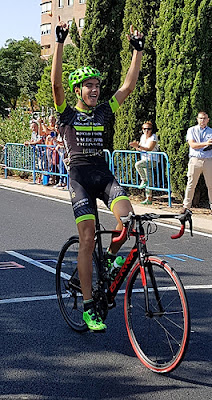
{"x":93,"y":320}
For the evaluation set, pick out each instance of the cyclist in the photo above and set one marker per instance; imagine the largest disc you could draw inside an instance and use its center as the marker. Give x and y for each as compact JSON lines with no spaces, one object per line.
{"x":82,"y":129}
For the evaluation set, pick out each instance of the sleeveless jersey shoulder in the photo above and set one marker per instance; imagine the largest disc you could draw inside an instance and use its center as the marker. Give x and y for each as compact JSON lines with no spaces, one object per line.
{"x":67,"y":116}
{"x":106,"y":110}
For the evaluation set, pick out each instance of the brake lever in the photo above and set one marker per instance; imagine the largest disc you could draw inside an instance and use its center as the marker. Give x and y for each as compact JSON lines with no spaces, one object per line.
{"x":185,"y":217}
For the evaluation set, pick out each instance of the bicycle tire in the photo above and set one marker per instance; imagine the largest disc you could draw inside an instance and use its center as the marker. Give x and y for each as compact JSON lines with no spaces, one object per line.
{"x":68,"y":288}
{"x":159,"y":340}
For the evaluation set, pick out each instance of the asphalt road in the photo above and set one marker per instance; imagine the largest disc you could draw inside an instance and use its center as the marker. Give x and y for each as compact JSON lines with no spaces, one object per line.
{"x":42,"y":358}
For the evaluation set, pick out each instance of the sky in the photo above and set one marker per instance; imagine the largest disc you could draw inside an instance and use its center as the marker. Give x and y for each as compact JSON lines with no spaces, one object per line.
{"x":20,"y":18}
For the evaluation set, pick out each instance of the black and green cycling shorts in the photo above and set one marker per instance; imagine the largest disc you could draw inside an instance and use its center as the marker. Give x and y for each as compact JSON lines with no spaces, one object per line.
{"x":89,"y":182}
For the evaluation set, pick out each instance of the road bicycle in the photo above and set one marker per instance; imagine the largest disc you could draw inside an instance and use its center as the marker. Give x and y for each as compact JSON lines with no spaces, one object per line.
{"x":155,"y":304}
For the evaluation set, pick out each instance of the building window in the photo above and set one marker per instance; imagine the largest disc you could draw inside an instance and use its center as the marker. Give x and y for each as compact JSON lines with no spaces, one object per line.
{"x":82,"y":1}
{"x":45,"y":29}
{"x":70,"y":22}
{"x":45,"y":50}
{"x":70,"y":3}
{"x":61,"y":3}
{"x":81,"y":22}
{"x":46,"y":7}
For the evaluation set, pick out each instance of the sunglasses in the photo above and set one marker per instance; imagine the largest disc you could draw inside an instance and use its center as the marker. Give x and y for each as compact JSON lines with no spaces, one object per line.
{"x":147,"y":129}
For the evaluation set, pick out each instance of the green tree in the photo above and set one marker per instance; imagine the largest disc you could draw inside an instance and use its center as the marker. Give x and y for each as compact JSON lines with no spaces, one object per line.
{"x":44,"y":95}
{"x":28,"y":75}
{"x":4,"y":92}
{"x":74,"y":34}
{"x":140,"y":105}
{"x":19,"y":71}
{"x":100,"y":46}
{"x":184,"y":68}
{"x":16,"y":128}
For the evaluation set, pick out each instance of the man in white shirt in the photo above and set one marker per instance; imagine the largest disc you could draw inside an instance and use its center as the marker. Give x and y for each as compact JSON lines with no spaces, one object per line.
{"x":199,"y":137}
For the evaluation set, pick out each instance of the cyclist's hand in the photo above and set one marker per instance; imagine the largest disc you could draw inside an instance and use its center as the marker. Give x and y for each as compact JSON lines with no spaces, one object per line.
{"x":61,"y":32}
{"x":136,"y":39}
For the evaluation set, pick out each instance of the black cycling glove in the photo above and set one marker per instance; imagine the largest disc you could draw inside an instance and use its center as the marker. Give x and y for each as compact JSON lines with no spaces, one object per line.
{"x":61,"y":34}
{"x":137,"y":43}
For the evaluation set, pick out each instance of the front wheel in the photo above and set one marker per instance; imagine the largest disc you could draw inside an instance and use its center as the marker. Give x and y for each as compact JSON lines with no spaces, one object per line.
{"x":160,"y":335}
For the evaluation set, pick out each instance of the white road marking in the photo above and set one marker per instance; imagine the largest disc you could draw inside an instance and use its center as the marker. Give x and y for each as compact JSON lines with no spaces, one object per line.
{"x":120,"y":292}
{"x":36,"y":195}
{"x":31,"y":261}
{"x":53,"y":271}
{"x":26,"y":299}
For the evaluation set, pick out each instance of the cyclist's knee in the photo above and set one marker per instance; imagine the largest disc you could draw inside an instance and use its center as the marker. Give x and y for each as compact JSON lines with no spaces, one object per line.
{"x":122,"y":209}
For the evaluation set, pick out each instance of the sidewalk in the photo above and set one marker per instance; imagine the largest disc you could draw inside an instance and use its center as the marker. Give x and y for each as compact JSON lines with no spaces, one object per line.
{"x":202,"y":222}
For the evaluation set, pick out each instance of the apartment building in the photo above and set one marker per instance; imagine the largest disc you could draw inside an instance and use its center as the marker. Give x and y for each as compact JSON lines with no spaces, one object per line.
{"x":66,"y":10}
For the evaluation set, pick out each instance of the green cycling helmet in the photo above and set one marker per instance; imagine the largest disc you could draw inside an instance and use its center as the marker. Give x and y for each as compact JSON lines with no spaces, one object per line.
{"x":81,"y":74}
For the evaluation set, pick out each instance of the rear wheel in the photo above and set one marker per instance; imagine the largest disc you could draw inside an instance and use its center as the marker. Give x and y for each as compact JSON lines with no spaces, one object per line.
{"x":68,"y":288}
{"x":159,"y":337}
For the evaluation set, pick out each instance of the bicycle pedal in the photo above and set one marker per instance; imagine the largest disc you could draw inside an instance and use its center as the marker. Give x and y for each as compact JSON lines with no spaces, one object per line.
{"x":72,"y":283}
{"x":111,"y":305}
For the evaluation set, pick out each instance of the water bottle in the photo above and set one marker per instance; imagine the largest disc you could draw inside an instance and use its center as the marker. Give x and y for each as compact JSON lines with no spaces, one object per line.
{"x":117,"y":264}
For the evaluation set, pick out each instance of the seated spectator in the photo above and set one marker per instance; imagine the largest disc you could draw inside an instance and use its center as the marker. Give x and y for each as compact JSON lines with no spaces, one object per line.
{"x":148,"y":142}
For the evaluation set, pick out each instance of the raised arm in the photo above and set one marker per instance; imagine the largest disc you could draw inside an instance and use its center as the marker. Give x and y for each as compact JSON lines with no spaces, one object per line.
{"x":137,"y":40}
{"x":56,"y":74}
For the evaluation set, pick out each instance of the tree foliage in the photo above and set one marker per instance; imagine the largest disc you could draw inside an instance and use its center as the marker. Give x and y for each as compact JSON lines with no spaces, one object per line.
{"x":16,"y":127}
{"x":100,"y":47}
{"x":140,"y":105}
{"x":184,"y":68}
{"x":44,"y":95}
{"x":74,"y":34}
{"x":21,"y":67}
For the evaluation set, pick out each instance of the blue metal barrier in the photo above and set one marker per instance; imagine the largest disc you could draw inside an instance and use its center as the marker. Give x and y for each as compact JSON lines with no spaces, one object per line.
{"x":18,"y":157}
{"x":123,"y":167}
{"x":40,"y":159}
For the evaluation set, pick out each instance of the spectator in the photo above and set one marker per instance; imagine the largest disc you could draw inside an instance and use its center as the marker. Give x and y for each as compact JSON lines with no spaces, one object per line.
{"x":51,"y":155}
{"x":61,"y":152}
{"x":2,"y":154}
{"x":148,"y":142}
{"x":37,"y":137}
{"x":50,"y":129}
{"x":200,"y":158}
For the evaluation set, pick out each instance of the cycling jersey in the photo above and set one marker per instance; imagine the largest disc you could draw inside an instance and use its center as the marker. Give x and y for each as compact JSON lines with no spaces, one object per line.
{"x":90,"y":177}
{"x":83,"y":132}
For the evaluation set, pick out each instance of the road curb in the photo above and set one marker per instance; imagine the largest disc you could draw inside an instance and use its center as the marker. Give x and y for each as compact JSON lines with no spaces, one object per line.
{"x":201,"y":223}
